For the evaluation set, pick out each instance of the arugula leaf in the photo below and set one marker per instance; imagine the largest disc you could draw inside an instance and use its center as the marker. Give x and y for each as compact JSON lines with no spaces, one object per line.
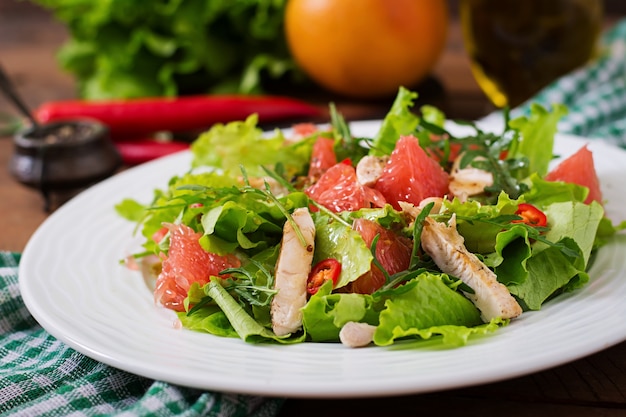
{"x":173,"y":203}
{"x":480,"y":149}
{"x":346,"y":146}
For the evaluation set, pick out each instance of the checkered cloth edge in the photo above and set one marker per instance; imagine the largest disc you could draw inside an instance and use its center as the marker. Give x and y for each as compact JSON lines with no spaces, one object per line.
{"x":39,"y":375}
{"x":594,"y":94}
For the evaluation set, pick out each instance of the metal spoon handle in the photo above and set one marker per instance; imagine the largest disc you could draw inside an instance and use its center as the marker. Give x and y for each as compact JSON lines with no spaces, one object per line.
{"x":7,"y":88}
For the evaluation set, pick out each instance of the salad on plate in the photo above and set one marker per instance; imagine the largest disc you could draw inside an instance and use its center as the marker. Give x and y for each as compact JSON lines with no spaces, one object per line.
{"x":427,"y":229}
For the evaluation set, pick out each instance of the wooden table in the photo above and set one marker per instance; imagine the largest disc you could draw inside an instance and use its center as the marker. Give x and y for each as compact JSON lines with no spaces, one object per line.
{"x":593,"y":386}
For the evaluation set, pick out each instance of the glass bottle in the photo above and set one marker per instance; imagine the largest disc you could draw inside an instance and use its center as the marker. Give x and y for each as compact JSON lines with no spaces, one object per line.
{"x":517,"y":47}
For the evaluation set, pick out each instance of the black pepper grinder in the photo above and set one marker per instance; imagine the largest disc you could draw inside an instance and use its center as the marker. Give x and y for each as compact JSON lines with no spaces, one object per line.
{"x":60,"y":157}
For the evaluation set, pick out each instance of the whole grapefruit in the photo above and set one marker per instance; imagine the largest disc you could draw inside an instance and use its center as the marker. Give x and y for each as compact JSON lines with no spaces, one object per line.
{"x":366,"y":48}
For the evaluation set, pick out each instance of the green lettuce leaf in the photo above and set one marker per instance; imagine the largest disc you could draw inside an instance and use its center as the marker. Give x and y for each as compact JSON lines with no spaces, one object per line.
{"x":537,"y":137}
{"x":433,"y":115}
{"x":400,"y":120}
{"x":244,"y":325}
{"x":325,"y":313}
{"x":428,"y":307}
{"x":209,"y":320}
{"x":336,"y":240}
{"x":237,"y":223}
{"x":543,"y":193}
{"x":229,"y":147}
{"x":475,"y":221}
{"x":577,"y":221}
{"x":512,"y":251}
{"x":130,"y":209}
{"x":245,"y":220}
{"x":550,"y":272}
{"x":537,"y":272}
{"x":127,"y":49}
{"x":385,"y":216}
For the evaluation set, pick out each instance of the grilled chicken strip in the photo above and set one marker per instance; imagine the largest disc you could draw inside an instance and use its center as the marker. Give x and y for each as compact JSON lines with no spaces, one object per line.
{"x":446,"y":246}
{"x":292,"y":270}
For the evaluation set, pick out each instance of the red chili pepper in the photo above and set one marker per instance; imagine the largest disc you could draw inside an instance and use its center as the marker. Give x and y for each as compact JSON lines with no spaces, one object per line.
{"x":179,"y":114}
{"x":531,"y":215}
{"x":328,"y":269}
{"x":140,"y":151}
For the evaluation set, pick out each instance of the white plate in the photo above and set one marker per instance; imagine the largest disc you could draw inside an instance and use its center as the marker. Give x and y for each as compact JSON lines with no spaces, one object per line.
{"x":73,"y":284}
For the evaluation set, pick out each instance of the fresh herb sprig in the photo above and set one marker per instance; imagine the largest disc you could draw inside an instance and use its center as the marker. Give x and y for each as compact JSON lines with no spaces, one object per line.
{"x":245,"y":284}
{"x":247,"y":288}
{"x":346,"y":145}
{"x":483,"y":150}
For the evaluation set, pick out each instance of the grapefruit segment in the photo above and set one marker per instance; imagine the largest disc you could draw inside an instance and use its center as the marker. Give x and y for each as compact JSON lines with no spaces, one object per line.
{"x":322,"y":157}
{"x":579,"y":169}
{"x":393,"y":252}
{"x":339,"y":190}
{"x":411,"y":175}
{"x":187,"y":262}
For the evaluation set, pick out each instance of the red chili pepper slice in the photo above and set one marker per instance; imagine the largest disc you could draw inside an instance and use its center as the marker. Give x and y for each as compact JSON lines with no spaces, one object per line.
{"x":328,"y":269}
{"x":178,"y":114}
{"x":531,"y":215}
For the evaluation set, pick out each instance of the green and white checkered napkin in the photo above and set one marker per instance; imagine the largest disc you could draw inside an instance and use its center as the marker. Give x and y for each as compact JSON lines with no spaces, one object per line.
{"x":594,"y":94}
{"x":40,"y":375}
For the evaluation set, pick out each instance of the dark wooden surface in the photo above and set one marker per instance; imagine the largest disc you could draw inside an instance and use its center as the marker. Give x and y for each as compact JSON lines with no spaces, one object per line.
{"x":592,"y":386}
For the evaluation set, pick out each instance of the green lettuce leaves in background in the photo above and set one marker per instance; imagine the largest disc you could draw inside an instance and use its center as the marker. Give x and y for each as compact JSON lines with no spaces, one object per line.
{"x":128,"y":49}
